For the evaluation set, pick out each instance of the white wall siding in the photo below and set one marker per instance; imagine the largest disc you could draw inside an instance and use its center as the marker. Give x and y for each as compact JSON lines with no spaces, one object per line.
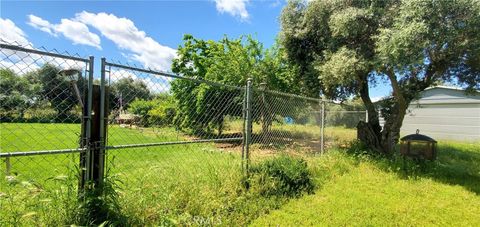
{"x":443,"y":113}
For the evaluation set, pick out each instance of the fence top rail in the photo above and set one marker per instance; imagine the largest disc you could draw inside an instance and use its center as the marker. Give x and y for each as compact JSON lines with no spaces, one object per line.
{"x":40,"y":52}
{"x":150,"y":71}
{"x":290,"y":95}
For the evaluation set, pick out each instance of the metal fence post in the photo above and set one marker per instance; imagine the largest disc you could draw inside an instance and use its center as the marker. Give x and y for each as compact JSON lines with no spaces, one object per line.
{"x":366,"y":116}
{"x":322,"y":128}
{"x":244,"y":117}
{"x":248,"y":133}
{"x":85,"y":157}
{"x":8,"y":166}
{"x":99,"y":164}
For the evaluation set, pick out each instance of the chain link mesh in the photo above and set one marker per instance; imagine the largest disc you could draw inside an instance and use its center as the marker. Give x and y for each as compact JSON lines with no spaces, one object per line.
{"x":175,"y":140}
{"x":173,"y":143}
{"x":340,"y":124}
{"x":284,"y":123}
{"x":40,"y":112}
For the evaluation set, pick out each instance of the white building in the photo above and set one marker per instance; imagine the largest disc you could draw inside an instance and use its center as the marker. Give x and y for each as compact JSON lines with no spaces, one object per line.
{"x":444,"y":113}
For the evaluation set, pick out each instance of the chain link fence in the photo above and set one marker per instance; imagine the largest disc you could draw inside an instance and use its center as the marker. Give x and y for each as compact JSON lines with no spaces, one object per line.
{"x":41,"y":102}
{"x":285,"y":123}
{"x":340,"y":124}
{"x":171,"y":146}
{"x":176,"y":140}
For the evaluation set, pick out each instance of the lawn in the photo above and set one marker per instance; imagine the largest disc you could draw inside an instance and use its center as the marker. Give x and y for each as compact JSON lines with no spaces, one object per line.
{"x":168,"y":185}
{"x":200,"y":184}
{"x":364,"y":191}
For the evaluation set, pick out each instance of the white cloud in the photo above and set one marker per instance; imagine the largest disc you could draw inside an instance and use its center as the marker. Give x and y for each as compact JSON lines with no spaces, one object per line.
{"x":41,"y":24}
{"x":10,"y":33}
{"x":19,"y":62}
{"x":127,"y":36}
{"x":23,"y":62}
{"x":18,"y":67}
{"x":235,"y":8}
{"x":73,"y":30}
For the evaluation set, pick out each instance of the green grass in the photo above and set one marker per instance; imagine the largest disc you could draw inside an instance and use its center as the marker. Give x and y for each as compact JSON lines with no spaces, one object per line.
{"x":167,"y":185}
{"x":200,"y":184}
{"x":364,"y":191}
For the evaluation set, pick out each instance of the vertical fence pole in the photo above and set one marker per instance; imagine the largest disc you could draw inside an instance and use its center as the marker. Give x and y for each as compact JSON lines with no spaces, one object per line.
{"x":366,"y":116}
{"x":89,"y":116}
{"x":85,"y":157}
{"x":8,"y":166}
{"x":100,"y":155}
{"x":244,"y":119}
{"x":248,"y":134}
{"x":97,"y":154}
{"x":322,"y":128}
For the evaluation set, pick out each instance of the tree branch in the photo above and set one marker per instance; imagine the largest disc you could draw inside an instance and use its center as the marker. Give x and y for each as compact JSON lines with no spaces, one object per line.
{"x":397,"y":91}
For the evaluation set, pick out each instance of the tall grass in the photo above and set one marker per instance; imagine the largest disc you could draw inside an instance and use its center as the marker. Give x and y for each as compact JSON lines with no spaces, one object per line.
{"x":201,"y":184}
{"x":369,"y":191}
{"x":194,"y":184}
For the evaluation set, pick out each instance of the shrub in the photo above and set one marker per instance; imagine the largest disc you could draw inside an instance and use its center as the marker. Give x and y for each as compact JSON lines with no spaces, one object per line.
{"x":282,"y":176}
{"x":161,"y":114}
{"x":356,"y":147}
{"x":43,"y":114}
{"x":159,"y":111}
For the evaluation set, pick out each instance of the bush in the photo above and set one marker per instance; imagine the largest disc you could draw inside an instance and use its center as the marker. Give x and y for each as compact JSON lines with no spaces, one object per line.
{"x":159,"y":111}
{"x":356,"y":147}
{"x":282,"y":176}
{"x":42,"y":114}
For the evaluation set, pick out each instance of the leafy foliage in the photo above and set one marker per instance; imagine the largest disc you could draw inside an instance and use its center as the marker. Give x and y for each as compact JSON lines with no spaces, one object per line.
{"x":343,"y":47}
{"x":159,"y":111}
{"x":229,"y":62}
{"x":126,"y":90}
{"x":38,"y":96}
{"x":282,"y":176}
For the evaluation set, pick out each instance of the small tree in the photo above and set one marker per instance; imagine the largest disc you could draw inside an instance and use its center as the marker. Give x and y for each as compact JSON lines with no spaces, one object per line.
{"x":342,"y":47}
{"x":159,"y":111}
{"x":203,"y":107}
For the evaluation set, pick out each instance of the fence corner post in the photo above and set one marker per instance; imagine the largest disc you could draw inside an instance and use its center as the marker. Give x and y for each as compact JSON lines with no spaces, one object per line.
{"x":248,"y":127}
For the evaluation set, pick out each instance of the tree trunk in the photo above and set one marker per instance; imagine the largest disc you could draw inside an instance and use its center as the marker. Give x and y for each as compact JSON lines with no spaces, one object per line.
{"x":391,"y":131}
{"x":266,"y":117}
{"x":381,"y":141}
{"x":371,"y":133}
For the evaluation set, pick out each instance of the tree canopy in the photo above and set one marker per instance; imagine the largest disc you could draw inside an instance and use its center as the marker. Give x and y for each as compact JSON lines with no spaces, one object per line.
{"x":229,"y":62}
{"x":343,"y":47}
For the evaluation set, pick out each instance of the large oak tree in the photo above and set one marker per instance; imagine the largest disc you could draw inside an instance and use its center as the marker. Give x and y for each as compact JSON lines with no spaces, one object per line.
{"x":344,"y":47}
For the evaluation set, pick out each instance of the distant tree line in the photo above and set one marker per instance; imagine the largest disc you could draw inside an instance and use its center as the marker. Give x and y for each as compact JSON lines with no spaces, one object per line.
{"x":38,"y":96}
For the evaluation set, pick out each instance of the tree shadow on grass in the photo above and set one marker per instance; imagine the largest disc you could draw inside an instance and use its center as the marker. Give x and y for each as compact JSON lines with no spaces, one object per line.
{"x":456,"y":164}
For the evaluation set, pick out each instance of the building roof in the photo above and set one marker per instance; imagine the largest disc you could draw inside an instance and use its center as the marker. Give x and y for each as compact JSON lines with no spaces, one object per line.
{"x":447,"y":95}
{"x":444,"y":95}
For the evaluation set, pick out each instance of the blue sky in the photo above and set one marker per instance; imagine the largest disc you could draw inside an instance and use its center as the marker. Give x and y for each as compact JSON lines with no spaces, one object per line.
{"x":142,"y":32}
